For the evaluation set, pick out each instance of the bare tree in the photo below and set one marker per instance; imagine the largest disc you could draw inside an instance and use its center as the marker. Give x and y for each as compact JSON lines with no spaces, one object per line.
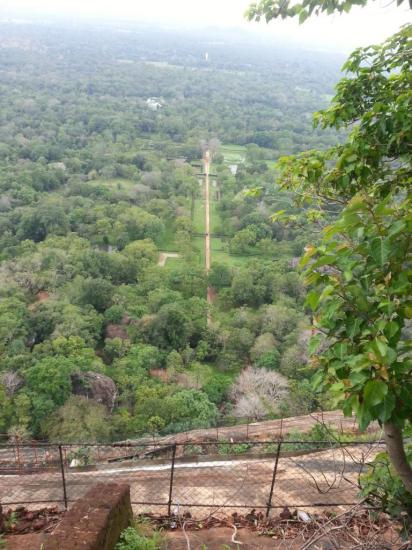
{"x":214,"y":146}
{"x":257,"y":392}
{"x":11,"y":382}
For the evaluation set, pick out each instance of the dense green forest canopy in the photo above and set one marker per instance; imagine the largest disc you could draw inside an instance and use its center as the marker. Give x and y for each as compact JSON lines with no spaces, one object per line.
{"x":102,"y":132}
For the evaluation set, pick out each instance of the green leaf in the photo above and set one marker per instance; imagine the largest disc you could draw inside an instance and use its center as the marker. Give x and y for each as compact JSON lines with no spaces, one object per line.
{"x":310,"y":250}
{"x":317,"y":380}
{"x":397,"y":228}
{"x":385,"y":411}
{"x":358,"y":377}
{"x":330,"y":230}
{"x":381,"y":347}
{"x":351,"y":219}
{"x":380,"y":250}
{"x":391,"y":356}
{"x":374,"y":393}
{"x":348,"y":275}
{"x":324,"y":260}
{"x":312,"y":299}
{"x":314,"y":344}
{"x":303,"y":15}
{"x":391,"y":329}
{"x":327,"y":291}
{"x":347,"y":6}
{"x":340,"y":350}
{"x":353,"y":326}
{"x":351,"y":158}
{"x":364,"y":417}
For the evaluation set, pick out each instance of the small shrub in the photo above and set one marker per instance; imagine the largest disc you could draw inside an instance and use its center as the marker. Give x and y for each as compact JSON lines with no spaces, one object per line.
{"x":140,"y":537}
{"x":382,"y":487}
{"x":81,"y":455}
{"x":318,"y":437}
{"x":193,"y":450}
{"x":114,"y":314}
{"x":11,"y":521}
{"x":227,"y":448}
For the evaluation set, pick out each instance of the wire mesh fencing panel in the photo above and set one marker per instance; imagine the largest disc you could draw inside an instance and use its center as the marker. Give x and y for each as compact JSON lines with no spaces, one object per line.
{"x":322,"y":477}
{"x":211,"y":477}
{"x":30,"y":474}
{"x":204,"y":478}
{"x":268,"y":476}
{"x":147,"y":469}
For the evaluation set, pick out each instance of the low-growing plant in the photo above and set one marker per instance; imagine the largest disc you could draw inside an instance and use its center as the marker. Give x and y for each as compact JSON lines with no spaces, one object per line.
{"x":11,"y":521}
{"x":192,"y":449}
{"x":82,"y":455}
{"x":227,"y":448}
{"x":140,"y":536}
{"x":383,"y":488}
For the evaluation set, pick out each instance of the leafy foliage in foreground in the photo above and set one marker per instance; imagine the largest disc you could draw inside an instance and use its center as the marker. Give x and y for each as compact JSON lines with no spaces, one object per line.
{"x":273,"y":9}
{"x":361,"y":274}
{"x":383,"y":488}
{"x":140,"y":537}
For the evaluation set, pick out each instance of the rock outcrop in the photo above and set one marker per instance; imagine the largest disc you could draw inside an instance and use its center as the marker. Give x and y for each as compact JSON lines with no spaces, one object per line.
{"x":96,"y":386}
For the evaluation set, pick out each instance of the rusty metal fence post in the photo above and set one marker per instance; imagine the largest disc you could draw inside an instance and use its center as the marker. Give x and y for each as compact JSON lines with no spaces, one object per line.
{"x":63,"y":476}
{"x":172,"y":472}
{"x":272,"y":485}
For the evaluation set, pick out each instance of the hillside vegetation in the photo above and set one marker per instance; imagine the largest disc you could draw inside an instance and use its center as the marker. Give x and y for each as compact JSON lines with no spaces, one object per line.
{"x":98,"y":341}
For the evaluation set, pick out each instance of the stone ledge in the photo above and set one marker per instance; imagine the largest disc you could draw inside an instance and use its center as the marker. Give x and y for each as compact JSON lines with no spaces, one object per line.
{"x":93,"y":523}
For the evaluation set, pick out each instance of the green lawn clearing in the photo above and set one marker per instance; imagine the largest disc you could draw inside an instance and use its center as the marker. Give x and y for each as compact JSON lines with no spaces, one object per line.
{"x":233,"y":154}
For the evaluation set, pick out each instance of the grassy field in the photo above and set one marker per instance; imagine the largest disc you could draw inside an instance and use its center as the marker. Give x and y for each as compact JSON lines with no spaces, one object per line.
{"x":233,"y":154}
{"x":199,"y":215}
{"x":236,"y":154}
{"x":222,"y":257}
{"x":220,"y":254}
{"x":199,"y":243}
{"x":219,"y":246}
{"x":215,"y":220}
{"x":173,"y":262}
{"x":168,"y":243}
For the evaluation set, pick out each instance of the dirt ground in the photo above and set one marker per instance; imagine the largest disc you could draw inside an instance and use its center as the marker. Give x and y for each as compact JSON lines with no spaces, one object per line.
{"x":220,"y":538}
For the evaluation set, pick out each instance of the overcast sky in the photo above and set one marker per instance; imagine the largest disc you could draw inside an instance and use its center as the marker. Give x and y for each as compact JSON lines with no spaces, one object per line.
{"x":338,"y":32}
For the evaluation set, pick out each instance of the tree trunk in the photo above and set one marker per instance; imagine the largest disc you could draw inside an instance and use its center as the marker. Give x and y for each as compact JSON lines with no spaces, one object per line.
{"x":397,"y":455}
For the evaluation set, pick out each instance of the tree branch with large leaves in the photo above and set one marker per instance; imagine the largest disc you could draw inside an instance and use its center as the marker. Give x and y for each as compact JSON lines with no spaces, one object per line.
{"x":275,"y":9}
{"x":360,"y":275}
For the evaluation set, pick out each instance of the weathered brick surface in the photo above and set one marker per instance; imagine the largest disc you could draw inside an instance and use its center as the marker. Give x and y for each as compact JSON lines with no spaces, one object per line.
{"x":32,"y":541}
{"x":95,"y":521}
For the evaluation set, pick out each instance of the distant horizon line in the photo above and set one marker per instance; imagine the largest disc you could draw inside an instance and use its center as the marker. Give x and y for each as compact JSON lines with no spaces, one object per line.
{"x":71,"y":19}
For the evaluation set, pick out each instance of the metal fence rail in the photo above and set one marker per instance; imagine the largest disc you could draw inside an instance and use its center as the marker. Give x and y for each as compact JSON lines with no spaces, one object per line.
{"x":185,"y":476}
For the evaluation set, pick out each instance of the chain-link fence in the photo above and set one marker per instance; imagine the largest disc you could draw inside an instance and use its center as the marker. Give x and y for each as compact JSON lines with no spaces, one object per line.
{"x":171,"y":478}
